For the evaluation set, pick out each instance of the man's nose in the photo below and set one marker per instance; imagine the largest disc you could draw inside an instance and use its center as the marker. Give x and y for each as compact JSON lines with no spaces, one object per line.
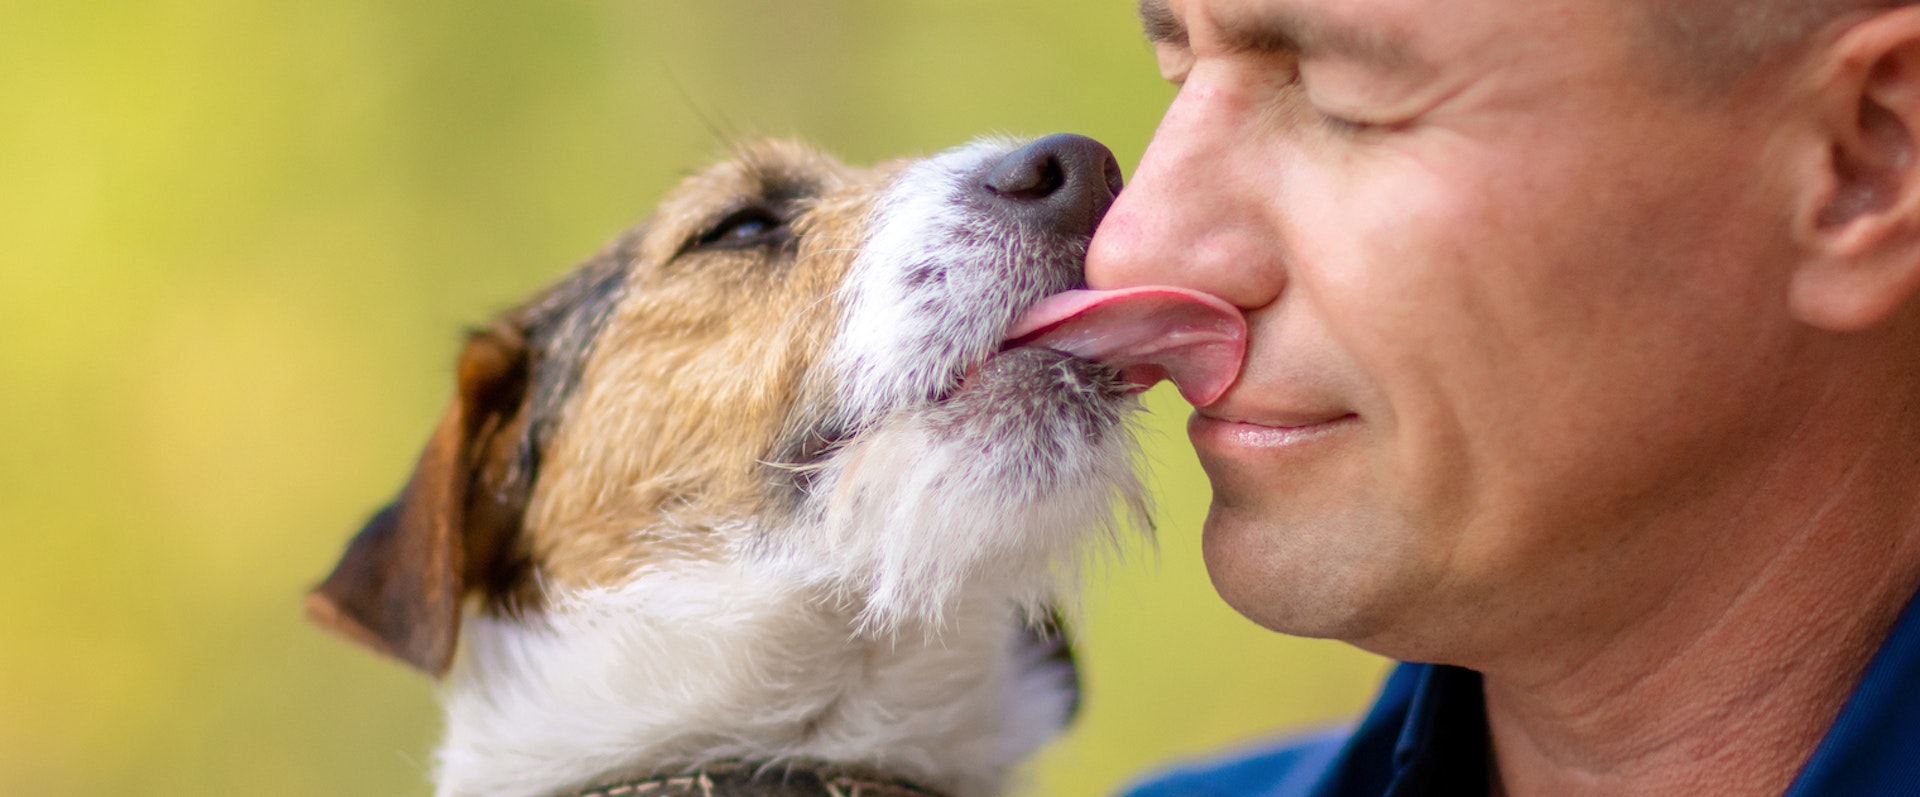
{"x":1062,"y":182}
{"x":1194,"y":215}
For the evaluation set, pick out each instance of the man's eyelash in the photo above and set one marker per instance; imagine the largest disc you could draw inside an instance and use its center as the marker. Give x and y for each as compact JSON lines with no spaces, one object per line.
{"x":1342,"y":125}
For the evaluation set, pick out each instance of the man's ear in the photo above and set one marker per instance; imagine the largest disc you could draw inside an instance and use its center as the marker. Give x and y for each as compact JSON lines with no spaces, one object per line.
{"x":1863,"y":229}
{"x":400,"y":584}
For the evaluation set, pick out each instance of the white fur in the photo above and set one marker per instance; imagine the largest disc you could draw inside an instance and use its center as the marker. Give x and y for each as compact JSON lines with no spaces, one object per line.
{"x":878,"y":624}
{"x":704,"y":661}
{"x":912,"y":521}
{"x":899,"y":344}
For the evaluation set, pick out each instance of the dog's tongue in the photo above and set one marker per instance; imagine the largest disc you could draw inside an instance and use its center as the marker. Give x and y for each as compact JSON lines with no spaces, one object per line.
{"x":1148,"y":333}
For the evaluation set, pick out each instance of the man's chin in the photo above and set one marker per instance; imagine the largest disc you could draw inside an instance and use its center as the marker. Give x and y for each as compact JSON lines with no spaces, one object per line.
{"x":1319,"y":581}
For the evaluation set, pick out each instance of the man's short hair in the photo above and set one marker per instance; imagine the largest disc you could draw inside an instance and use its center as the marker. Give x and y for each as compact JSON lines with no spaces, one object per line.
{"x":1716,"y":42}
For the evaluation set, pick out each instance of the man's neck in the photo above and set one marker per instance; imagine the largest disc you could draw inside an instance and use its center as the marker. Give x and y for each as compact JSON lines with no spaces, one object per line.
{"x":1728,"y":685}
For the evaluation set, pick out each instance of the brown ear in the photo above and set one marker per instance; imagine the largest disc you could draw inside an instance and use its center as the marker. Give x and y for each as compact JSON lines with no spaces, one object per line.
{"x":399,"y":586}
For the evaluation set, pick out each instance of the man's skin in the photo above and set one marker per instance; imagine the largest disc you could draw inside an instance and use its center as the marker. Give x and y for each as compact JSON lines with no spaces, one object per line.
{"x":1561,"y":368}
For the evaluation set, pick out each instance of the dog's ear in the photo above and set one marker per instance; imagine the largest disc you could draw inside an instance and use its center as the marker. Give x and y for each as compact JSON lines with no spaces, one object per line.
{"x":400,"y":584}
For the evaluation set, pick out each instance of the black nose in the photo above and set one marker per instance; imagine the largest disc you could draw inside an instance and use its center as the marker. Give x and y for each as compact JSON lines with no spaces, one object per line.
{"x":1063,"y":182}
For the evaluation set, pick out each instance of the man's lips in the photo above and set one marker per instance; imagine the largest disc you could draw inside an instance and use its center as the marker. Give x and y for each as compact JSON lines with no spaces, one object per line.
{"x":1146,"y":333}
{"x":1211,"y":431}
{"x":1277,"y":420}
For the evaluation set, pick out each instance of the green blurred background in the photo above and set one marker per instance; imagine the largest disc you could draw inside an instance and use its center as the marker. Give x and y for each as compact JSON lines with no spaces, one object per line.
{"x":239,"y":240}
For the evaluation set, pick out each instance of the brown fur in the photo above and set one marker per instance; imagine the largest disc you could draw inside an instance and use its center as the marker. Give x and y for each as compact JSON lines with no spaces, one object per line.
{"x":682,"y":401}
{"x":400,"y":586}
{"x":694,"y":377}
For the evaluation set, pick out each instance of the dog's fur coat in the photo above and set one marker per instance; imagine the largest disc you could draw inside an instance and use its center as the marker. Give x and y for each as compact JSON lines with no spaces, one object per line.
{"x":757,"y":484}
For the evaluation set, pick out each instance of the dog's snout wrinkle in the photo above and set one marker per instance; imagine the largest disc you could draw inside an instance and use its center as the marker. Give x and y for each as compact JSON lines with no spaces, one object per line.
{"x":1064,"y":182}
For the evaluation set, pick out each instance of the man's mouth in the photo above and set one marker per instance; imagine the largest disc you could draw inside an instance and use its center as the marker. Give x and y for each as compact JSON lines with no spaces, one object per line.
{"x":1146,"y":334}
{"x":1221,"y":435}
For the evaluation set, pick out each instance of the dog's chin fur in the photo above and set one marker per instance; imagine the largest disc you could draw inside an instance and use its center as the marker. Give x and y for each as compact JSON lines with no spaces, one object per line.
{"x":769,"y":493}
{"x":727,"y":661}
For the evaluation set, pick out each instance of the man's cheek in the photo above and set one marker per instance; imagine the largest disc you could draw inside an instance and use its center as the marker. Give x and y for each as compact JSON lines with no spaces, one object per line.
{"x":1389,"y":222}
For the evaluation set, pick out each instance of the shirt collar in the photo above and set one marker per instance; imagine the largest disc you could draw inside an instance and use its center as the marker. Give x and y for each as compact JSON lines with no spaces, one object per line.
{"x":1435,"y":719}
{"x":1871,"y":748}
{"x":1426,"y":735}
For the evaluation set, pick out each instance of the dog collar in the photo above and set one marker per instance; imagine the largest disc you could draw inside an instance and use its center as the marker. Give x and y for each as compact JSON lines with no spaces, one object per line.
{"x":745,"y":779}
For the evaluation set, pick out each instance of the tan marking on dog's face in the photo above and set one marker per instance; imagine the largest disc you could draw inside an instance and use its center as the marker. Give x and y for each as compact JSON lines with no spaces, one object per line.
{"x":707,"y":357}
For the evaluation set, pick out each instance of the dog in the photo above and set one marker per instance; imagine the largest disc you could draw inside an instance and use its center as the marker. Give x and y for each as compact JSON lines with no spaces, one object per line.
{"x":761,"y":499}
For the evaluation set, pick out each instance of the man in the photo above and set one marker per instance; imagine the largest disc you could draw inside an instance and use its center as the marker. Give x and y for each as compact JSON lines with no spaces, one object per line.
{"x":1585,"y":362}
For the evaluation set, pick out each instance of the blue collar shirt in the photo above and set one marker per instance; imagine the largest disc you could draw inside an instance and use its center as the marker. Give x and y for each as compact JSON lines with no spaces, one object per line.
{"x":1426,"y":736}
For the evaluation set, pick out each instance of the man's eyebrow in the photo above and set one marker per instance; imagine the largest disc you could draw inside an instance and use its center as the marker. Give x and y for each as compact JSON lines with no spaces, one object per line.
{"x":1162,"y":27}
{"x":1283,"y":31}
{"x":1294,"y":31}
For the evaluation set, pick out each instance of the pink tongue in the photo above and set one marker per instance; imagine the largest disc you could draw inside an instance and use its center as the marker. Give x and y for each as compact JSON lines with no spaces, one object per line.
{"x":1148,"y":333}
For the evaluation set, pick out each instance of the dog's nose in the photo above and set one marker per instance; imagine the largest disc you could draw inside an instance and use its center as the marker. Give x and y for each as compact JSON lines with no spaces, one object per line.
{"x":1065,"y":182}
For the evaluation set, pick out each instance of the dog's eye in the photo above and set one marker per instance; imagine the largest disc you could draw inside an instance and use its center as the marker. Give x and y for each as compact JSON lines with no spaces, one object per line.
{"x":744,"y":229}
